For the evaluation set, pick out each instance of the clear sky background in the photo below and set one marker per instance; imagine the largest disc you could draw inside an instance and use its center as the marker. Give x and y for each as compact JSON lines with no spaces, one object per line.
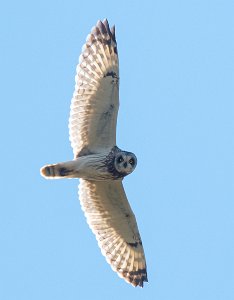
{"x":176,"y":93}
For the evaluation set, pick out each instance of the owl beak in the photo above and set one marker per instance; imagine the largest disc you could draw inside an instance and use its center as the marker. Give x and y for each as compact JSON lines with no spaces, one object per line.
{"x":125,"y":165}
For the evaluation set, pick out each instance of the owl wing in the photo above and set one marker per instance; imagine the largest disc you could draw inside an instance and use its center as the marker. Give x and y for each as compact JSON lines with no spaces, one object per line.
{"x":95,"y":102}
{"x":111,"y":219}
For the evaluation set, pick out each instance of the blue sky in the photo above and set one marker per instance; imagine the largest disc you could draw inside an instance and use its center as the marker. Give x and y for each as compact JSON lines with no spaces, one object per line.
{"x":176,"y":114}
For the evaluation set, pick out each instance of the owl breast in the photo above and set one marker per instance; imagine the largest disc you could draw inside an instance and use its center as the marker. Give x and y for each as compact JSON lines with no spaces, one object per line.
{"x":112,"y":165}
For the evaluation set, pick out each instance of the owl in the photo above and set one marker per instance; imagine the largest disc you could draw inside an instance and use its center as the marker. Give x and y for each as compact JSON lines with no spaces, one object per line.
{"x":98,"y":163}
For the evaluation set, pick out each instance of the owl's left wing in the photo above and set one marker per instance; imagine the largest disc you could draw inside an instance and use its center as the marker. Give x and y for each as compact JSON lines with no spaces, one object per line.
{"x":111,"y":219}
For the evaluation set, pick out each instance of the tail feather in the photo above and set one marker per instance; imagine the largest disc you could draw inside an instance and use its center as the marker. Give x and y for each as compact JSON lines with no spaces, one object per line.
{"x":56,"y":171}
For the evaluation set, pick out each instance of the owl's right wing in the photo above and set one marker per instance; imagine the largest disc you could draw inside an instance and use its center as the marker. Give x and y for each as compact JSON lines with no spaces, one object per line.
{"x":111,"y":219}
{"x":95,"y":102}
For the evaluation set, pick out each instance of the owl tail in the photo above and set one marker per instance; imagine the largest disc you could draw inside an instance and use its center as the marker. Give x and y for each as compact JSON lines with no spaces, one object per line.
{"x":59,"y":170}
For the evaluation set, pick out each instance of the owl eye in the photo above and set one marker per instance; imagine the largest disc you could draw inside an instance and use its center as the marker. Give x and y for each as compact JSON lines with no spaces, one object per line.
{"x":120,"y":159}
{"x":132,"y":161}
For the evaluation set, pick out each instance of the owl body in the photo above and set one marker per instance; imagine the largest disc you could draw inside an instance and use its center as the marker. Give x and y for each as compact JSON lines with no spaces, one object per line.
{"x":111,"y":165}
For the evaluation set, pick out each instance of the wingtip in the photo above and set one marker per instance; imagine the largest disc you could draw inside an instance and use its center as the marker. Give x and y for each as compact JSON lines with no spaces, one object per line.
{"x":104,"y":27}
{"x":99,"y":22}
{"x":136,"y":280}
{"x":105,"y":22}
{"x":113,"y":32}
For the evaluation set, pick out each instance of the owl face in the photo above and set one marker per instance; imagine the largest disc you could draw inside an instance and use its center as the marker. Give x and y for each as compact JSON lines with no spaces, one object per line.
{"x":125,"y":162}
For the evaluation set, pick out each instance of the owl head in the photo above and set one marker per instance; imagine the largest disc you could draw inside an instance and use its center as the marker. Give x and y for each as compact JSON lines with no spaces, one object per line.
{"x":125,"y":162}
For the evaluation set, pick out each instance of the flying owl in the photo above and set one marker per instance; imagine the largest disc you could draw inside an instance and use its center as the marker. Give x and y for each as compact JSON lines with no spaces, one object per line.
{"x":98,"y":162}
